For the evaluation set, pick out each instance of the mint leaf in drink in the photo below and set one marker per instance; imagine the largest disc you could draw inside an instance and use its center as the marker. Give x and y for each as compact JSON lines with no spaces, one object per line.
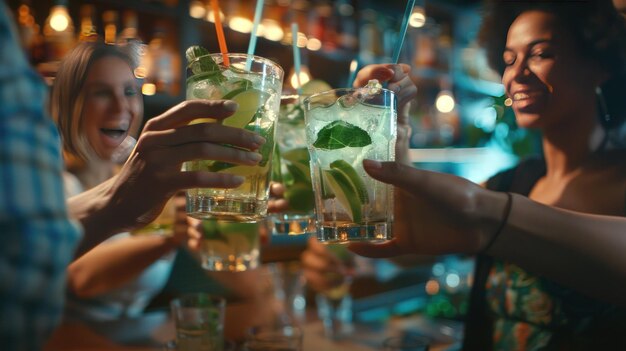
{"x":201,"y":63}
{"x":340,"y":134}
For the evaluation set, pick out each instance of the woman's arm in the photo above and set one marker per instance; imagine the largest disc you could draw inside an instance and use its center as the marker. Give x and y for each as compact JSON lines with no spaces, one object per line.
{"x":114,"y":263}
{"x":440,"y":213}
{"x":579,"y":250}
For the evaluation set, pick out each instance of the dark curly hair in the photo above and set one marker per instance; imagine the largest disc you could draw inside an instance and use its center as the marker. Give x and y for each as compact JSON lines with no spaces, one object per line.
{"x":595,"y":25}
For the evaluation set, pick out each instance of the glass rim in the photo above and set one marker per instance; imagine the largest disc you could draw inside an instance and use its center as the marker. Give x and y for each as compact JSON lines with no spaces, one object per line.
{"x":308,"y":98}
{"x":216,"y":300}
{"x":238,"y":54}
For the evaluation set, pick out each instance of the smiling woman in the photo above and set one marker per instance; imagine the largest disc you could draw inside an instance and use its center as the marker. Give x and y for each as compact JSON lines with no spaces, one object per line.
{"x":95,"y":104}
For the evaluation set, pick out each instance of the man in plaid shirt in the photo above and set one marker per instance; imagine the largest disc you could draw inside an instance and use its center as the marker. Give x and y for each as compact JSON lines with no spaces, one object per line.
{"x":37,"y":238}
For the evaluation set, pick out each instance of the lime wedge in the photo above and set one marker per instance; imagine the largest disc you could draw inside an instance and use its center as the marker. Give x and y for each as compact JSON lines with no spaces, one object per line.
{"x":241,"y":235}
{"x":327,"y":192}
{"x":300,"y":197}
{"x":249,"y":100}
{"x":344,"y":193}
{"x":244,"y":171}
{"x":356,"y":181}
{"x":300,"y":155}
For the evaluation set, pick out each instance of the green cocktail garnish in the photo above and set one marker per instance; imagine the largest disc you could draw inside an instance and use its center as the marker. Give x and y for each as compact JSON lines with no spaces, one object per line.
{"x":201,"y":63}
{"x":340,"y":134}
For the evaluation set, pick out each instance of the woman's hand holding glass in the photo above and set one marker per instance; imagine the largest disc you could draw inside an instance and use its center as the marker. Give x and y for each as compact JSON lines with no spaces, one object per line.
{"x":152,"y":173}
{"x":399,"y":81}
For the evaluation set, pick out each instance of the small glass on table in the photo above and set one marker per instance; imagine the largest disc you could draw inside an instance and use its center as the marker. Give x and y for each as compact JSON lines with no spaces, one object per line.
{"x":291,"y":168}
{"x":199,"y":320}
{"x":334,"y":306}
{"x":255,"y":84}
{"x":343,"y":127}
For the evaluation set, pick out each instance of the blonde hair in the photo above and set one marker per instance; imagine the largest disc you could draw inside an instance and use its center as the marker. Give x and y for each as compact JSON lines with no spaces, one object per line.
{"x":68,"y":99}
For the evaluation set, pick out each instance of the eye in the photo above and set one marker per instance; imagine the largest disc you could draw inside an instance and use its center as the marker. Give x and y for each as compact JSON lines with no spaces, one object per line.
{"x":101,"y":93}
{"x":508,"y":58}
{"x":130,"y":91}
{"x":540,"y":54}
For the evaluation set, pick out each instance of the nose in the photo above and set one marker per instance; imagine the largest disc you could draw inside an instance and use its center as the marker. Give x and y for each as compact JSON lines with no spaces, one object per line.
{"x":520,"y":69}
{"x":119,"y":103}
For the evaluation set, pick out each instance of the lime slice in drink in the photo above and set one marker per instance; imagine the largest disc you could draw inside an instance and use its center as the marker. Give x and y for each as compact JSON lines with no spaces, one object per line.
{"x":356,"y":181}
{"x":241,"y":236}
{"x":297,"y":162}
{"x":300,"y":155}
{"x":344,"y":193}
{"x":249,"y":100}
{"x":244,"y":171}
{"x":300,"y":197}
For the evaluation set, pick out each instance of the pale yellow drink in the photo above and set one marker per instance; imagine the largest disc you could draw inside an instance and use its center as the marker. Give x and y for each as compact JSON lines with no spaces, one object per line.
{"x":257,"y":91}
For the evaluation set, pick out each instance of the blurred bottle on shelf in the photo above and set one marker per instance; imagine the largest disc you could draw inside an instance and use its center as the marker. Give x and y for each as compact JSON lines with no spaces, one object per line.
{"x":88,"y":30}
{"x":426,"y":47}
{"x":129,"y":35}
{"x":369,"y":37}
{"x":162,"y":64}
{"x":29,"y":32}
{"x":58,"y":32}
{"x":109,"y":19}
{"x":129,"y":32}
{"x":346,"y":25}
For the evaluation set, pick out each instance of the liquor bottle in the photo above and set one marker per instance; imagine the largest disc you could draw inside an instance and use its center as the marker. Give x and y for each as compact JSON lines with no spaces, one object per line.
{"x":58,"y":31}
{"x":87,"y":24}
{"x":109,"y":19}
{"x":29,"y":32}
{"x":162,"y":62}
{"x":129,"y":35}
{"x":129,"y":32}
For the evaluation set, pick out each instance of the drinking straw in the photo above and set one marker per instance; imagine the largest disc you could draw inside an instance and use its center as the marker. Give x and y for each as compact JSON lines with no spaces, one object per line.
{"x":220,"y":32}
{"x":258,"y":11}
{"x":354,"y":66}
{"x":403,"y":28}
{"x":296,"y":54}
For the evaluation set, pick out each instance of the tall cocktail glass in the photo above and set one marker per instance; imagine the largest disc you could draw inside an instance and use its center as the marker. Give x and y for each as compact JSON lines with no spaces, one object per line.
{"x":291,"y":168}
{"x":257,"y":91}
{"x":343,"y":127}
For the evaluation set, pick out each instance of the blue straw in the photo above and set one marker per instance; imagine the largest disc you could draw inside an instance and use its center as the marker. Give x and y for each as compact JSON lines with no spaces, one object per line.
{"x":258,"y":11}
{"x":403,"y":28}
{"x":296,"y":54}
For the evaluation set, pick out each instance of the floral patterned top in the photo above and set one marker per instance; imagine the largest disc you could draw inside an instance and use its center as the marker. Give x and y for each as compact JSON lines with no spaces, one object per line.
{"x":529,"y":312}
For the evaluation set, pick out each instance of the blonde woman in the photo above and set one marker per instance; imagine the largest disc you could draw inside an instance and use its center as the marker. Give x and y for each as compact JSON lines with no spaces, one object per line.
{"x":96,"y":104}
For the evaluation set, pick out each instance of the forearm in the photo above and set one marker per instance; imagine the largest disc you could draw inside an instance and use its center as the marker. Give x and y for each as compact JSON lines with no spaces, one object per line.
{"x":112,"y":264}
{"x":91,"y":208}
{"x":582,"y":251}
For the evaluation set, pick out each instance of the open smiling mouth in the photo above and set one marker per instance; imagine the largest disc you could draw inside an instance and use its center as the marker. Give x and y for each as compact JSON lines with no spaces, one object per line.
{"x":114,"y":133}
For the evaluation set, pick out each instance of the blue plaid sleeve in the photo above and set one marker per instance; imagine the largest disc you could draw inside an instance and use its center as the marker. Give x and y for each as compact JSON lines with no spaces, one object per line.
{"x":37,"y":239}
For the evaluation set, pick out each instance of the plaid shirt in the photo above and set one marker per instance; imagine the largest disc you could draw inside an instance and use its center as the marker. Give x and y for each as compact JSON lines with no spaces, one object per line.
{"x":37,"y":239}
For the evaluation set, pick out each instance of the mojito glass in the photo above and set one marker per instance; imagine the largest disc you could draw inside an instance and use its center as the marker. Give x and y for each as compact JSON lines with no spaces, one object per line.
{"x":343,"y":127}
{"x":257,"y":91}
{"x":291,"y":168}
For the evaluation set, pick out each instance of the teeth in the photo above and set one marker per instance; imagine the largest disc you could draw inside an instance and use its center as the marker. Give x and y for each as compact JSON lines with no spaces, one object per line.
{"x":124,"y":125}
{"x":520,"y":96}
